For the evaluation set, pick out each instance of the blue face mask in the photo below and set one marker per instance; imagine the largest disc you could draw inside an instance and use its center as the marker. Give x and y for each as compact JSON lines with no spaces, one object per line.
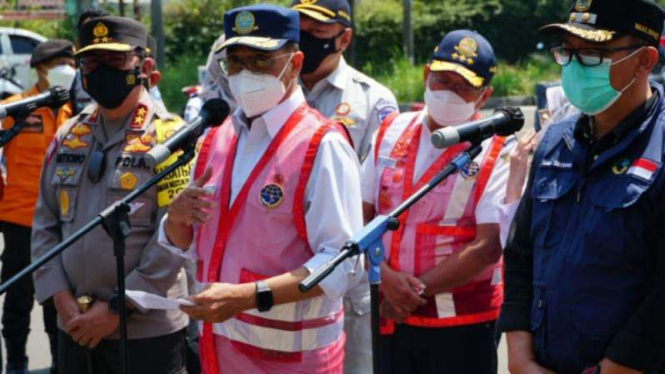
{"x":588,"y":88}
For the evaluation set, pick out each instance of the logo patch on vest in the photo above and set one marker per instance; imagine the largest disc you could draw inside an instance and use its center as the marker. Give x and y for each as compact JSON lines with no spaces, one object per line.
{"x":470,"y":170}
{"x":271,"y":196}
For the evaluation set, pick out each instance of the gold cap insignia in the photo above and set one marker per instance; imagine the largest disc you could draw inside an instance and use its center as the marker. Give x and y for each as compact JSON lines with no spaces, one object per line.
{"x":245,"y":23}
{"x":583,"y":5}
{"x":100,"y":30}
{"x":466,"y":51}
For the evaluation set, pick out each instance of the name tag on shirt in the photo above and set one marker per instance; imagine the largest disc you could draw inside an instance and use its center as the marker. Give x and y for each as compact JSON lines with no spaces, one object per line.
{"x":387,"y":162}
{"x":554,"y":164}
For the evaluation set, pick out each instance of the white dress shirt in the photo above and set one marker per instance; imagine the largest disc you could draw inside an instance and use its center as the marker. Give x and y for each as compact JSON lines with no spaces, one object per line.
{"x":333,"y":200}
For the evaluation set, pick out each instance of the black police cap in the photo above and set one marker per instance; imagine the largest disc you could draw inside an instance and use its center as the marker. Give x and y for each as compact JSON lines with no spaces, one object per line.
{"x":326,"y":11}
{"x":604,"y":20}
{"x":51,"y":49}
{"x":118,"y":34}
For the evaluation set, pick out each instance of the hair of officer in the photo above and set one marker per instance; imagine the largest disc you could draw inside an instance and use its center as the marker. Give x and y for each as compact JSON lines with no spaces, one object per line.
{"x":88,"y":15}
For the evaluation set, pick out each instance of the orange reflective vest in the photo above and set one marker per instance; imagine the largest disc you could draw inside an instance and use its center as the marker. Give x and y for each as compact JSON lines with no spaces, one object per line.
{"x":24,"y":155}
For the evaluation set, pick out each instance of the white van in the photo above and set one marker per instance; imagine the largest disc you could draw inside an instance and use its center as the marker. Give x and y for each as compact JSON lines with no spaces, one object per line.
{"x":16,"y":47}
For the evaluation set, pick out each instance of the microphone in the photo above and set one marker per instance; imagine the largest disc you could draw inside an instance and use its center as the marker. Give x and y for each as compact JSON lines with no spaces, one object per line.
{"x":504,"y":122}
{"x":213,"y":113}
{"x":55,"y":97}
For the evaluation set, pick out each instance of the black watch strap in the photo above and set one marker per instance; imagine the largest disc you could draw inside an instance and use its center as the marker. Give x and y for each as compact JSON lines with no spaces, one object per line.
{"x":264,"y":300}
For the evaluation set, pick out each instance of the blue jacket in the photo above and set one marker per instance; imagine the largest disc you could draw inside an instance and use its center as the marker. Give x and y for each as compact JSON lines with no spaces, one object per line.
{"x":592,"y":236}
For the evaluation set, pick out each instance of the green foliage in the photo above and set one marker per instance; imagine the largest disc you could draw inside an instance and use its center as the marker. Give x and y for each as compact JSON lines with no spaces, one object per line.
{"x":402,"y":78}
{"x":178,"y":74}
{"x":521,"y":78}
{"x":191,"y":26}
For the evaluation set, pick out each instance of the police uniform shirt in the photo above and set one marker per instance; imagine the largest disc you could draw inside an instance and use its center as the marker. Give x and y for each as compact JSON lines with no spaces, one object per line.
{"x":354,"y":99}
{"x":69,"y":199}
{"x":330,"y":221}
{"x":495,"y":191}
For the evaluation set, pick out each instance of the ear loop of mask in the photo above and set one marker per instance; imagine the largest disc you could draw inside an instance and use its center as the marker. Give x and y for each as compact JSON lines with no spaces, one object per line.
{"x":634,"y":77}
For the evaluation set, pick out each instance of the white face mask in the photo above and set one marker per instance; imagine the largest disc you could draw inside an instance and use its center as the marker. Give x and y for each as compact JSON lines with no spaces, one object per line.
{"x":447,"y":108}
{"x":257,"y":93}
{"x":61,"y":75}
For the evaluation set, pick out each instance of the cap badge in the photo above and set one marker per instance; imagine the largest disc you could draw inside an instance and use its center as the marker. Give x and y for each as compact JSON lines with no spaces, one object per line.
{"x":308,"y":2}
{"x":466,"y":51}
{"x":100,"y":30}
{"x":271,"y":196}
{"x":245,"y":23}
{"x":583,"y":5}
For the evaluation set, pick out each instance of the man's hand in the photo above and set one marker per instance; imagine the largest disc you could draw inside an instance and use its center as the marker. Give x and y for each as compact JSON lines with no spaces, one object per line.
{"x":610,"y":367}
{"x":521,"y":356}
{"x":189,"y":207}
{"x":401,"y":290}
{"x":519,"y":166}
{"x":388,"y":311}
{"x":90,"y":328}
{"x":66,"y":306}
{"x":221,"y":301}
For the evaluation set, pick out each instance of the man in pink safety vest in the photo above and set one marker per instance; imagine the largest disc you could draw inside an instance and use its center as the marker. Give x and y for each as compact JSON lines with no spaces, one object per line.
{"x":441,"y":280}
{"x":276,"y":194}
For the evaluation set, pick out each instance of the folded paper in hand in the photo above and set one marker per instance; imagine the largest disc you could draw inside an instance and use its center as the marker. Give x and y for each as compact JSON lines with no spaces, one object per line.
{"x":144,"y":300}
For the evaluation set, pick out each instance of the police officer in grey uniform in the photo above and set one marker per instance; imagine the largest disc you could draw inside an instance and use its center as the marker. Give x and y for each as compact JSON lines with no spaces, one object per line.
{"x":360,"y":103}
{"x":96,"y":159}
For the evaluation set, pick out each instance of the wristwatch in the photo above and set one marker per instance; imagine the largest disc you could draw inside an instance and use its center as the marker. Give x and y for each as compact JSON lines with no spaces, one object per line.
{"x":264,"y":300}
{"x":114,"y":307}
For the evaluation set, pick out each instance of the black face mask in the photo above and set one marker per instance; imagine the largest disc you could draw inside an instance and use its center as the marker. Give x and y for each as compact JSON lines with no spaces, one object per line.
{"x":110,"y":87}
{"x":316,"y":50}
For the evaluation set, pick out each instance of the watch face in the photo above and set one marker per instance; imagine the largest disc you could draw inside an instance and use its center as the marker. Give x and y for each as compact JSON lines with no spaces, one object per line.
{"x":264,"y":300}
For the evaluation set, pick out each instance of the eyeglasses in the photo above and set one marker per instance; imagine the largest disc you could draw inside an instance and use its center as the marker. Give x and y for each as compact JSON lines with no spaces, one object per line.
{"x":116,"y":60}
{"x":463,"y":89}
{"x":259,"y":64}
{"x":585,"y":56}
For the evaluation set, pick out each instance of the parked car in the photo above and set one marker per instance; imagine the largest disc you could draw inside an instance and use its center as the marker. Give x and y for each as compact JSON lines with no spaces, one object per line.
{"x":16,"y":47}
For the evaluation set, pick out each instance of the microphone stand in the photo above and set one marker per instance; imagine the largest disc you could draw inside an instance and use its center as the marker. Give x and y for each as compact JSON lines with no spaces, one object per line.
{"x":368,"y":242}
{"x":115,"y":220}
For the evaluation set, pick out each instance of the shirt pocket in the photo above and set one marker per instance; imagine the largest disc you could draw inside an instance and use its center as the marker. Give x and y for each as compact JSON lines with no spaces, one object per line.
{"x":605,"y":231}
{"x":120,"y":183}
{"x":549,"y":213}
{"x":66,"y":180}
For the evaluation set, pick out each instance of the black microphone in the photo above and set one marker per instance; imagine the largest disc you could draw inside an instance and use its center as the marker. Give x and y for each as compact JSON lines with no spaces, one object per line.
{"x":55,"y":97}
{"x":213,"y":113}
{"x":504,"y":122}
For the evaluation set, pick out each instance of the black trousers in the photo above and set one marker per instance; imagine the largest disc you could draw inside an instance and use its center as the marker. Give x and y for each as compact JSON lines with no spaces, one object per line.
{"x":21,"y":297}
{"x":159,"y":355}
{"x":462,"y":349}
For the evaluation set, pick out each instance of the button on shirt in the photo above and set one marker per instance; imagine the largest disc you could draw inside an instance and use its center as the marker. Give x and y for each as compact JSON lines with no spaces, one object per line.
{"x":333,"y":201}
{"x":354,"y":99}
